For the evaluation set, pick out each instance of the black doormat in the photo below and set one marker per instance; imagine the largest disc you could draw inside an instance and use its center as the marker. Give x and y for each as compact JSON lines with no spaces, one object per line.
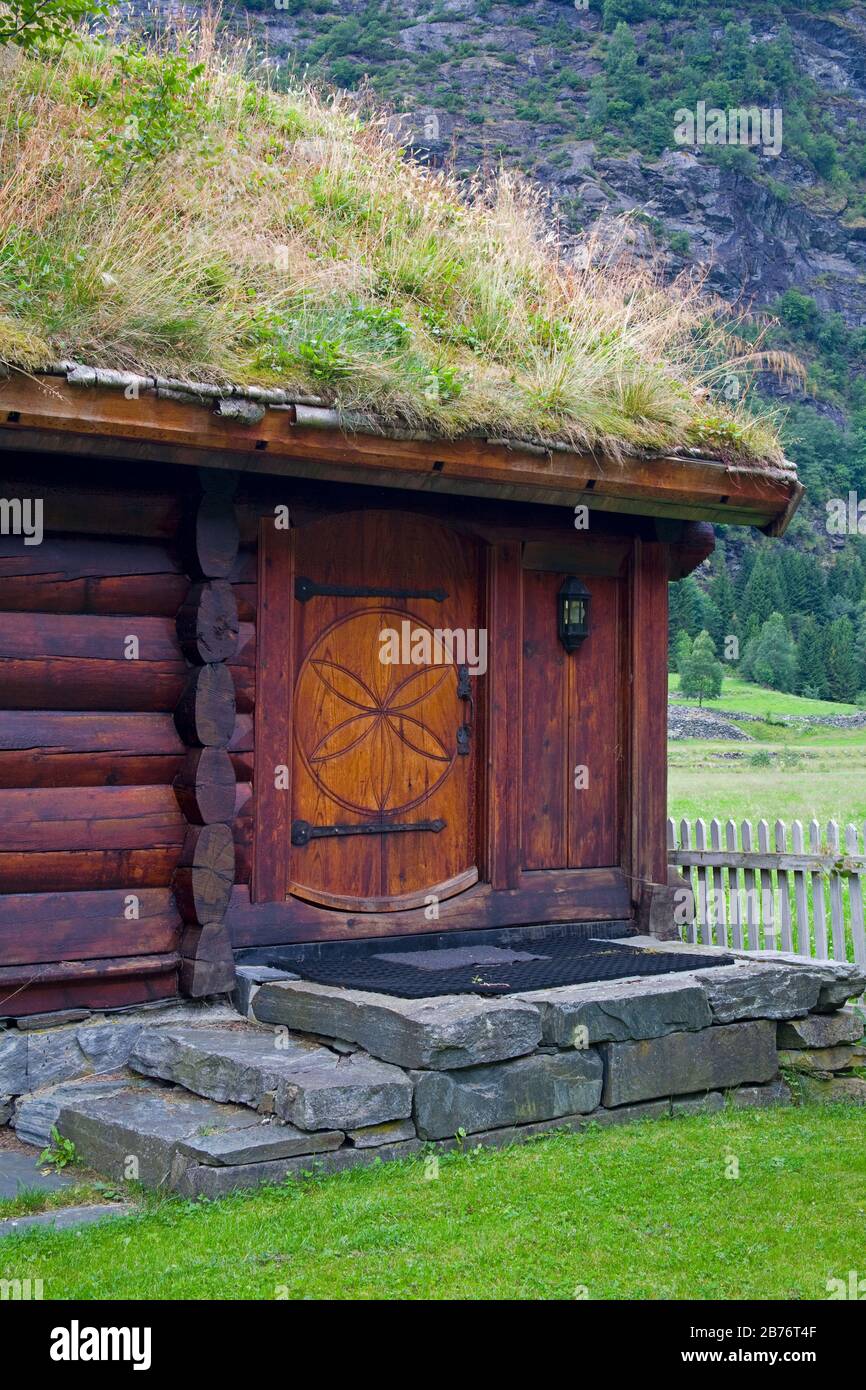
{"x":494,"y":969}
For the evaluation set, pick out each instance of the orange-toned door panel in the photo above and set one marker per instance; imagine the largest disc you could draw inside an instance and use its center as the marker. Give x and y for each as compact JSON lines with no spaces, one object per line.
{"x":383,"y":744}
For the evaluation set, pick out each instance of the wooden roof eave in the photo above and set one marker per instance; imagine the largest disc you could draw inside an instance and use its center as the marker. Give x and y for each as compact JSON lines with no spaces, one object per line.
{"x":47,"y":413}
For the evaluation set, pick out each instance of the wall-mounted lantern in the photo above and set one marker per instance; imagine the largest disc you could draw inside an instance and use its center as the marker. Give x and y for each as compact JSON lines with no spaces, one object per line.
{"x":572,"y":613}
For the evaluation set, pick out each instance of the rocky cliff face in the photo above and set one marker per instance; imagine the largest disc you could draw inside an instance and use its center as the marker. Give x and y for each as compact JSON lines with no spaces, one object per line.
{"x":477,"y":82}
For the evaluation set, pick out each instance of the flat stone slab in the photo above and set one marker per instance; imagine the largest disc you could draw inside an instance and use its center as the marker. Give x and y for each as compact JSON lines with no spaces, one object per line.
{"x":65,"y":1218}
{"x":839,"y":980}
{"x":837,"y":1090}
{"x":704,"y":1103}
{"x":13,"y":1062}
{"x":199,"y":1180}
{"x":444,"y":1033}
{"x":574,"y":1124}
{"x":759,"y":1097}
{"x":19,"y":1171}
{"x":614,"y":1010}
{"x":36,"y":1115}
{"x":821,"y":1030}
{"x":249,"y":978}
{"x":683,"y":1063}
{"x":374,"y":1136}
{"x":298,"y":1080}
{"x":541,"y":1087}
{"x":153,"y":1135}
{"x":351,"y":1091}
{"x":818,"y":1059}
{"x":238,"y":1064}
{"x":751,"y":989}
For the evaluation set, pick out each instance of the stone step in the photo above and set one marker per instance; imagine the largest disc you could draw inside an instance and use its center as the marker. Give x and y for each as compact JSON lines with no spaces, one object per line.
{"x":443,"y":1033}
{"x":167,"y":1138}
{"x":37,"y":1114}
{"x":275,"y":1071}
{"x":154,"y":1133}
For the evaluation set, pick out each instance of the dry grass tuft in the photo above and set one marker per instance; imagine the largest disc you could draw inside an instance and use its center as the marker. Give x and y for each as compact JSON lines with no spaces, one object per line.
{"x":162,"y":211}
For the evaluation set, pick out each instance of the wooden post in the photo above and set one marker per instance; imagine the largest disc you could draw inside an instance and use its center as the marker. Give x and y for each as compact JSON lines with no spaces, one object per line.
{"x":207,"y":629}
{"x":648,"y":616}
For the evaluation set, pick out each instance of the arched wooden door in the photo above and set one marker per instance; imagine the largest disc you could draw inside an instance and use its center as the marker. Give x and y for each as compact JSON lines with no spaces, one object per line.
{"x":383,"y":768}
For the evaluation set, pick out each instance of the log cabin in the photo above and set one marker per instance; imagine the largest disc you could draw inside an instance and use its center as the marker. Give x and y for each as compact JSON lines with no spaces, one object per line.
{"x":332,"y":612}
{"x":202,"y":752}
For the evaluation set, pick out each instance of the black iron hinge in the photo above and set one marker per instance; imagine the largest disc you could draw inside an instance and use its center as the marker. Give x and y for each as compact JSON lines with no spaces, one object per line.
{"x":303,"y":832}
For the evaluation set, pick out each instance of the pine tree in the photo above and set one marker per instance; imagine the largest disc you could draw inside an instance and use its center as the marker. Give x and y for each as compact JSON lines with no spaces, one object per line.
{"x":702,"y":673}
{"x":840,"y":660}
{"x":722,"y":594}
{"x":811,"y":678}
{"x":763,"y":593}
{"x":685,"y":606}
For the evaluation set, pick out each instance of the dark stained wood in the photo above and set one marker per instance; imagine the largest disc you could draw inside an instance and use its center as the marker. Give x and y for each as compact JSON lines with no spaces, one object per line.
{"x":576,"y":895}
{"x":696,"y":488}
{"x":500,"y":696}
{"x":206,"y":711}
{"x":205,"y":786}
{"x":12,"y":975}
{"x":581,"y":552}
{"x":205,"y":876}
{"x":270,"y":867}
{"x":37,"y":927}
{"x":648,"y":622}
{"x":90,"y":818}
{"x":158,"y":595}
{"x":84,"y":575}
{"x":65,"y":683}
{"x":99,"y":637}
{"x":595,"y":737}
{"x":207,"y":622}
{"x":243,"y":826}
{"x":77,"y":508}
{"x":85,"y":557}
{"x":696,"y":543}
{"x":94,"y":636}
{"x":38,"y":769}
{"x":209,"y":537}
{"x":546,"y":727}
{"x":64,"y":871}
{"x":55,"y":748}
{"x":69,"y":992}
{"x":572,"y":730}
{"x":208,"y":963}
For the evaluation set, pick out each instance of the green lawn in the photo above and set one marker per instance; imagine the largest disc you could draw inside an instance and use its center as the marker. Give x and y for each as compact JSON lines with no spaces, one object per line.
{"x":756,"y":699}
{"x":640,"y":1211}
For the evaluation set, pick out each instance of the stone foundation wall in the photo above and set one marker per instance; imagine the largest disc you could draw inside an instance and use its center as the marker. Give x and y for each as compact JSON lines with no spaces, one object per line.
{"x":309,"y":1077}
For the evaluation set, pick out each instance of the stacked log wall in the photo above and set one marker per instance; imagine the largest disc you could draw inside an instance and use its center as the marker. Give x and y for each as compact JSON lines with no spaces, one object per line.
{"x":96,"y":783}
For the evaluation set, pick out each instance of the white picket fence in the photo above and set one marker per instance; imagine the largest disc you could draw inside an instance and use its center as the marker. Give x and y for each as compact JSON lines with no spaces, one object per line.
{"x":752,"y":895}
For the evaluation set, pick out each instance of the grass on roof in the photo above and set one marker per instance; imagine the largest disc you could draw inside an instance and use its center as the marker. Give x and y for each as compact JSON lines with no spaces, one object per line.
{"x":162,"y":210}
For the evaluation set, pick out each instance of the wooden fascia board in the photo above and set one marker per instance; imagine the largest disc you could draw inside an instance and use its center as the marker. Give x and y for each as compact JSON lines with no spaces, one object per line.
{"x":685,"y":487}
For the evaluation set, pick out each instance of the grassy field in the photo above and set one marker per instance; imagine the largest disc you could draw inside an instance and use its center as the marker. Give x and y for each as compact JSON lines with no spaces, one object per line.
{"x":757,"y":699}
{"x":787,"y":772}
{"x":643,"y":1211}
{"x":808,"y":775}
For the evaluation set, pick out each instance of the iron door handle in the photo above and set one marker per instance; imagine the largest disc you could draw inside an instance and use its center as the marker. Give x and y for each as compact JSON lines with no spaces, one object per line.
{"x":464,"y":692}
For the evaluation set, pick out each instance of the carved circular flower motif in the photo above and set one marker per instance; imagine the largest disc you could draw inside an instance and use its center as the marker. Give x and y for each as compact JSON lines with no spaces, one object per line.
{"x":374,"y":737}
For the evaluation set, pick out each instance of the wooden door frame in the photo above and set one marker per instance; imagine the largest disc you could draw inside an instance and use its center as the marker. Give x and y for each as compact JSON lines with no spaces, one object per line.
{"x":506,"y":894}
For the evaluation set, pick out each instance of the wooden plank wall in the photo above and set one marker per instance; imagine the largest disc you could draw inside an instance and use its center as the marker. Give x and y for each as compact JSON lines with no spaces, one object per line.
{"x":92,"y":828}
{"x":572,"y":730}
